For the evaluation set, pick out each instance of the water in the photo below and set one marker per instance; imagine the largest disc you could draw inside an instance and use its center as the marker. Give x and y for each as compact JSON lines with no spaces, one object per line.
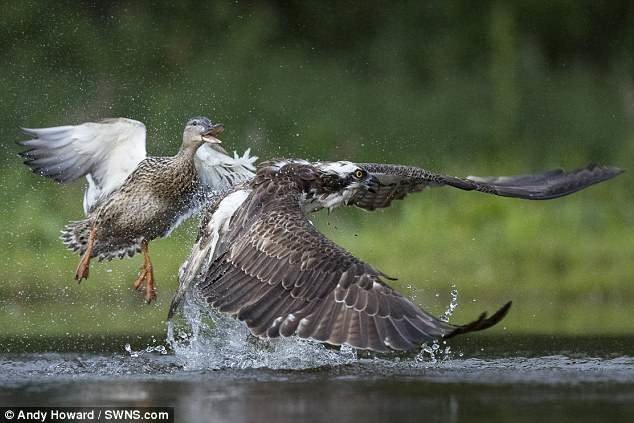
{"x":487,"y":388}
{"x":211,"y":370}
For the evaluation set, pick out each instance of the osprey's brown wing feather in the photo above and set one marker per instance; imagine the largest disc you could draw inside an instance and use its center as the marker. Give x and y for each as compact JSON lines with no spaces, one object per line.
{"x":282,"y":277}
{"x":395,"y":181}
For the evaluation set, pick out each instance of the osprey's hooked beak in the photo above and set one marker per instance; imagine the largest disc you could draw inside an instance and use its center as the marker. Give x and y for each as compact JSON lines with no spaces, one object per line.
{"x":210,"y":135}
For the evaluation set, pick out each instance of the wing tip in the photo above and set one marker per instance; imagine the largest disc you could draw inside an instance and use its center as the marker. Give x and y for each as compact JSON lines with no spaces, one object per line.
{"x":482,"y":322}
{"x":609,"y":171}
{"x":28,"y":131}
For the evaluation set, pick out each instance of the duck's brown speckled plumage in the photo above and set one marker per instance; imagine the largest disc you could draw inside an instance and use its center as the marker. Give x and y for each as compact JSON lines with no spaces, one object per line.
{"x":131,"y":199}
{"x":154,"y":198}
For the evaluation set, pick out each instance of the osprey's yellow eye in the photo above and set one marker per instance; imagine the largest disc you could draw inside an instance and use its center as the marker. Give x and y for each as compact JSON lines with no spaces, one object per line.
{"x":359,"y":174}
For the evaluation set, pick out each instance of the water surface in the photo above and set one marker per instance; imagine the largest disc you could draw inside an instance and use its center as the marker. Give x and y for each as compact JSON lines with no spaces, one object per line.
{"x":210,"y":369}
{"x":484,"y":379}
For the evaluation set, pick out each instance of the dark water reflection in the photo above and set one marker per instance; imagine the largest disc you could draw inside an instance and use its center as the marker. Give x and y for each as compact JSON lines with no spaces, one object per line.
{"x":496,"y":379}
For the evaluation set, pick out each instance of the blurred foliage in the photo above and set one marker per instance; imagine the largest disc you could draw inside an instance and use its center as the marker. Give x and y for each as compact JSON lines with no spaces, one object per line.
{"x":489,"y":88}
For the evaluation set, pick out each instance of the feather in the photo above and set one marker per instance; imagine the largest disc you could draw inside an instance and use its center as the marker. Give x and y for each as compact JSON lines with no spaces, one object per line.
{"x":394,"y":182}
{"x":294,"y":281}
{"x":105,"y":152}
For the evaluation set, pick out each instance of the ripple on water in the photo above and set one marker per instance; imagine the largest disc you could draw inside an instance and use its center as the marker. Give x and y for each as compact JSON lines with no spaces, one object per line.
{"x":203,"y":343}
{"x":18,"y":369}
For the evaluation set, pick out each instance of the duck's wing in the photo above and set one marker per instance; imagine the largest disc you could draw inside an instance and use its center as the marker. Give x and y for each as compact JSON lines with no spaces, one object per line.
{"x":218,"y":171}
{"x":282,"y":277}
{"x":395,"y":181}
{"x":105,"y":152}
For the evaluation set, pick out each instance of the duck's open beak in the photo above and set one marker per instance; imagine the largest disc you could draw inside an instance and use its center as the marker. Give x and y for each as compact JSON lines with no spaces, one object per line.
{"x":210,"y":135}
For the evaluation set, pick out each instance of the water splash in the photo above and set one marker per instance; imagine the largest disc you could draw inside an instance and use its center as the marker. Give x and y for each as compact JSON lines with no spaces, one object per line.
{"x":434,"y":353}
{"x":453,"y":304}
{"x":203,"y":338}
{"x":207,"y":339}
{"x":161,"y":349}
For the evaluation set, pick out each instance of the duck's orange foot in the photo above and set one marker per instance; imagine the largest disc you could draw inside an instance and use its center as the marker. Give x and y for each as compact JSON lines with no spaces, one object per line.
{"x":146,"y":278}
{"x":145,"y":282}
{"x":83,"y":269}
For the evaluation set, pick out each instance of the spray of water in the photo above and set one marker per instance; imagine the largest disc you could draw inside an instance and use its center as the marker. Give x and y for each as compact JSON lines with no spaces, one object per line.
{"x":206,"y":339}
{"x":160,"y":349}
{"x":453,"y":304}
{"x":202,"y":338}
{"x":435,"y":352}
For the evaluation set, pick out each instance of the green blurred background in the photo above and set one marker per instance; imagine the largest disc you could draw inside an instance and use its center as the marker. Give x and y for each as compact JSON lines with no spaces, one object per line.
{"x":490,"y":87}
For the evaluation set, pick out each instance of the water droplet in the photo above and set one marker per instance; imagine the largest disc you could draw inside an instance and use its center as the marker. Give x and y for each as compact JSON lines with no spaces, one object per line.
{"x":453,"y":304}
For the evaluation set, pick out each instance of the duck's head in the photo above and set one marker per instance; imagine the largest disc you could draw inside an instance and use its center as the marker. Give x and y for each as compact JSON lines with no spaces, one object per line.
{"x":199,"y":130}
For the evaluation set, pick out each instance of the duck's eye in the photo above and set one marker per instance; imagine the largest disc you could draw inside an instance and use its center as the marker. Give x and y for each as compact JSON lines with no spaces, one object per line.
{"x":195,"y":123}
{"x":359,"y":174}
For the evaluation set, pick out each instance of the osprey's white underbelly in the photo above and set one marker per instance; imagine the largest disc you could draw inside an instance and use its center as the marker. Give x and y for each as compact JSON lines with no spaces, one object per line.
{"x":204,"y":252}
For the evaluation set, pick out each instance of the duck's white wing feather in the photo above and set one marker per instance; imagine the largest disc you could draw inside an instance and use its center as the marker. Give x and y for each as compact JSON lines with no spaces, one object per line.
{"x":219,"y":171}
{"x":105,"y":152}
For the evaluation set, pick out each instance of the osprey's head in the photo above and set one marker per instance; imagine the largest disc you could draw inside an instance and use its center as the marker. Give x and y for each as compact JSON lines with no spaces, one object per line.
{"x":336,"y":184}
{"x":199,"y":130}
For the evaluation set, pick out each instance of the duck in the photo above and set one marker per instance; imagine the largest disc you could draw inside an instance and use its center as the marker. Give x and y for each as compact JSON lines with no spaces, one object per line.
{"x":131,"y":198}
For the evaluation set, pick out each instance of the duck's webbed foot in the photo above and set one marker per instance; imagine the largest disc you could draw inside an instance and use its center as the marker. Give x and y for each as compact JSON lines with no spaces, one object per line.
{"x":83,"y":269}
{"x":145,"y":280}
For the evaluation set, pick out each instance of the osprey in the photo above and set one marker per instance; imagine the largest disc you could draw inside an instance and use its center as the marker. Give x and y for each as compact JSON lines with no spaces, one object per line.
{"x":132,"y":199}
{"x":259,"y":258}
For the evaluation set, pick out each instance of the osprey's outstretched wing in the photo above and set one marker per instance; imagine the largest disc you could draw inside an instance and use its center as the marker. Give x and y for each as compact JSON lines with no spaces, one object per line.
{"x":395,"y":181}
{"x":282,"y":277}
{"x":105,"y":152}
